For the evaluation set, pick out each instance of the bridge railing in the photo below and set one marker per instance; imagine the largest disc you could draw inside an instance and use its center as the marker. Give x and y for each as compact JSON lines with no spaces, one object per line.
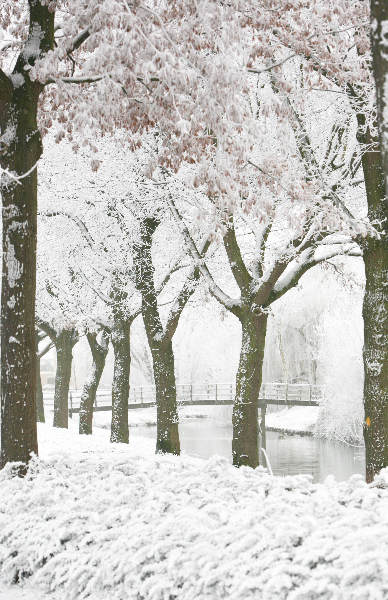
{"x":275,"y":393}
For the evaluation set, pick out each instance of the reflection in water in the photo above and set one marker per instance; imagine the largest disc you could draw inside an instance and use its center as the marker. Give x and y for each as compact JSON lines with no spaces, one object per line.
{"x":289,"y":455}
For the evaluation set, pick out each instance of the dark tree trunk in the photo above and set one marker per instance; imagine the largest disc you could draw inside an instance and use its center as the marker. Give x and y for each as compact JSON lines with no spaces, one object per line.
{"x":120,"y":385}
{"x":160,"y":343}
{"x":88,"y":398}
{"x":39,"y":394}
{"x":18,"y":358}
{"x":167,"y":434}
{"x":64,"y":343}
{"x":375,"y":308}
{"x":375,"y":313}
{"x":245,"y":447}
{"x":21,"y":149}
{"x":379,"y":41}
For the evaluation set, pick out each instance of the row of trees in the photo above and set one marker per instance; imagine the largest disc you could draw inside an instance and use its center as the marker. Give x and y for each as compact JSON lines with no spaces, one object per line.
{"x":214,"y":101}
{"x":144,"y":255}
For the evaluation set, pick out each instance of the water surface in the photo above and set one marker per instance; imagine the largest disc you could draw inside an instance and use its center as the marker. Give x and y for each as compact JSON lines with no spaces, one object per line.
{"x":288,"y":454}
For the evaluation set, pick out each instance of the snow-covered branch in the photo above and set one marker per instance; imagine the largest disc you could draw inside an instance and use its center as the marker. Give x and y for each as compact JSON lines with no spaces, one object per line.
{"x":306,"y":261}
{"x":236,"y":261}
{"x":199,"y":261}
{"x":80,"y":224}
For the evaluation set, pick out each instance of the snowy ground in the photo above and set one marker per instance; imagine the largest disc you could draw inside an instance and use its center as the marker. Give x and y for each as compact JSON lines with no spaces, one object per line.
{"x":298,"y":419}
{"x":107,"y":522}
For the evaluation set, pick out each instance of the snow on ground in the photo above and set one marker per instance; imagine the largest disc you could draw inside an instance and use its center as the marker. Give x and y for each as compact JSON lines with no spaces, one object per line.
{"x":298,"y":419}
{"x":21,"y":593}
{"x":100,"y":521}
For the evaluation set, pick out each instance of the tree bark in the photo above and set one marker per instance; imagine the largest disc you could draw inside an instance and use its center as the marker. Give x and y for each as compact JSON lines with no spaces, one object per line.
{"x":120,"y":386}
{"x":167,"y":432}
{"x":88,"y":398}
{"x":39,"y":395}
{"x":64,"y":343}
{"x":375,"y":315}
{"x":18,"y":360}
{"x":375,"y":310}
{"x":375,"y":353}
{"x":160,"y":343}
{"x":20,"y":151}
{"x":375,"y":307}
{"x":379,"y":42}
{"x":245,"y":447}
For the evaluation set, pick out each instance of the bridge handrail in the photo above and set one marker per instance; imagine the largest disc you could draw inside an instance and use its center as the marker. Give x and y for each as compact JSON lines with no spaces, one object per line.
{"x":222,"y":393}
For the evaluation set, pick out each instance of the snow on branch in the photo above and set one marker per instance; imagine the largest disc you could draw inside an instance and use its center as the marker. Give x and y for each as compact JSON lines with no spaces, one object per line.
{"x":306,"y":261}
{"x":80,"y":224}
{"x":199,"y":261}
{"x":18,"y":178}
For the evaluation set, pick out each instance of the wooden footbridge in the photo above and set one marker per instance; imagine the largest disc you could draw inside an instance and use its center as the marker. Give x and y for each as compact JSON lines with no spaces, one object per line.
{"x":211,"y":394}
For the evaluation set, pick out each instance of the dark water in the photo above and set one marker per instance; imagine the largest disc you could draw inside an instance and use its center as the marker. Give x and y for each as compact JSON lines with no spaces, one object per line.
{"x":288,"y":454}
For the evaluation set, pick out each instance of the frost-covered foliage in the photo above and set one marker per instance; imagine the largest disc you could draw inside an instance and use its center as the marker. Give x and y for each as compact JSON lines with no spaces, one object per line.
{"x":100,"y":521}
{"x":192,"y":70}
{"x":98,"y":221}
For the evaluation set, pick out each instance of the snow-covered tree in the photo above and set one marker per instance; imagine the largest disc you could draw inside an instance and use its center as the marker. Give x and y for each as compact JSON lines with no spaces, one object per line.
{"x":290,"y":230}
{"x":58,"y":316}
{"x":330,"y":43}
{"x":160,"y":334}
{"x":94,"y":67}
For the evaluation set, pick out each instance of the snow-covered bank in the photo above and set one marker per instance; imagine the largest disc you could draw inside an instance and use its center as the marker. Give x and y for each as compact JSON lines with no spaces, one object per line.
{"x":298,"y":419}
{"x":118,"y":522}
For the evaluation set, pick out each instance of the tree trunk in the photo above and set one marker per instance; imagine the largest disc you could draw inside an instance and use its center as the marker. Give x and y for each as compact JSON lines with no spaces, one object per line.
{"x":120,"y":385}
{"x":245,"y":448}
{"x":39,"y":394}
{"x":375,"y":313}
{"x":167,"y":434}
{"x":64,"y":346}
{"x":375,"y":308}
{"x":160,"y":343}
{"x":18,"y":356}
{"x":21,"y":148}
{"x":379,"y":42}
{"x":88,"y":398}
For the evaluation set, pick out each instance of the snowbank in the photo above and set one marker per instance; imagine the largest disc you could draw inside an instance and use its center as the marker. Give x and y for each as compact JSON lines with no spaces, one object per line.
{"x":297,"y":419}
{"x":102,"y":521}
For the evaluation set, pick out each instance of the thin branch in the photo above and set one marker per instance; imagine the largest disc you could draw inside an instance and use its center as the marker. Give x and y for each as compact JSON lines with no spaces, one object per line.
{"x":18,"y":178}
{"x":78,"y":40}
{"x":46,"y":327}
{"x":199,"y":262}
{"x":293,"y":55}
{"x":184,"y":295}
{"x":300,"y":269}
{"x":80,"y":224}
{"x":97,"y":291}
{"x":76,"y":80}
{"x":44,"y":351}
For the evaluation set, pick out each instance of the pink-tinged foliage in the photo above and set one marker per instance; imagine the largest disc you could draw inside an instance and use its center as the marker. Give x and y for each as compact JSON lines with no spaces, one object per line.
{"x":190,"y":69}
